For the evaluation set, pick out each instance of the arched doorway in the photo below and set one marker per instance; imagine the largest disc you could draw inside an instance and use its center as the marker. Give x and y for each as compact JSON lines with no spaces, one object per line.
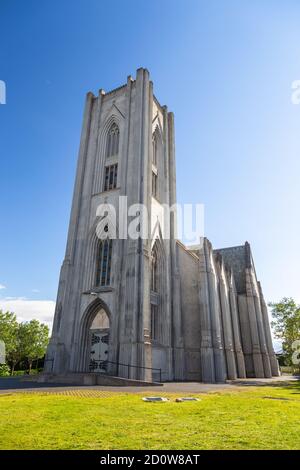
{"x":94,"y":338}
{"x":99,"y":340}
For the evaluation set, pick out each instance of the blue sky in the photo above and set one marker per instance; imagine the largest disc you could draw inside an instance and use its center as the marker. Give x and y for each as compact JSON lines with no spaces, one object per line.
{"x":224,"y":67}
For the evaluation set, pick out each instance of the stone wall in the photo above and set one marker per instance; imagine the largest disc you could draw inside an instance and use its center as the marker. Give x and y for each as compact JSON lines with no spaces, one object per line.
{"x":191,"y":328}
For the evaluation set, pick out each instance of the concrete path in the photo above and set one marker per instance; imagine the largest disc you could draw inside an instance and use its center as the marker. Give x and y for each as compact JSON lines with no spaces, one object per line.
{"x":16,"y":384}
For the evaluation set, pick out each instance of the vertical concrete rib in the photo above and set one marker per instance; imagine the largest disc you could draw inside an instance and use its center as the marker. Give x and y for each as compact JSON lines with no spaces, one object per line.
{"x":226,"y":320}
{"x":241,"y":371}
{"x":266,"y":324}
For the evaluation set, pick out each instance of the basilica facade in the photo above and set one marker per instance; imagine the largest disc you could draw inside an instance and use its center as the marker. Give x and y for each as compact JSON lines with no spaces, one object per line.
{"x":149,"y":308}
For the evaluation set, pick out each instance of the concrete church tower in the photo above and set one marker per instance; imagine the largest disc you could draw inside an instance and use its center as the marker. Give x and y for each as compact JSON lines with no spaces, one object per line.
{"x":128,"y":307}
{"x":141,"y":166}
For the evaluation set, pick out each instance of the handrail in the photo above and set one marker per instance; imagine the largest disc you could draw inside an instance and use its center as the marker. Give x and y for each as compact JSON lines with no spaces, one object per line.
{"x":119,"y":364}
{"x":129,"y":367}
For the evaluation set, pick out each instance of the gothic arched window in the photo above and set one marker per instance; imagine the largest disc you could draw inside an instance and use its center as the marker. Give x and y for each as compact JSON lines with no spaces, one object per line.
{"x":112,"y":142}
{"x":104,"y":263}
{"x":112,"y":150}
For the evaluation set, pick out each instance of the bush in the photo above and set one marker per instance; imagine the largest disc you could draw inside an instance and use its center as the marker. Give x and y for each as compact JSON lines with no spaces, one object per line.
{"x":26,"y":371}
{"x":35,"y":371}
{"x":4,"y":370}
{"x":294,"y":370}
{"x":19,"y":372}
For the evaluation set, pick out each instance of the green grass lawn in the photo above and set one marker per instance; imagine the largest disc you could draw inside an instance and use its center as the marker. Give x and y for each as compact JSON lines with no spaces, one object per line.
{"x":242,"y":419}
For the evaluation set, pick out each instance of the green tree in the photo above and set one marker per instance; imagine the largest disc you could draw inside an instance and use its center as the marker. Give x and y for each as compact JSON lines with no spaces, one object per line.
{"x":286,"y":325}
{"x":8,"y":328}
{"x":33,"y":338}
{"x":9,"y":334}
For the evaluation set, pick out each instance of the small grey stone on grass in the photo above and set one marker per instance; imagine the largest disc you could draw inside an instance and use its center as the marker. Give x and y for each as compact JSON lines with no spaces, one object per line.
{"x":277,"y":398}
{"x":155,"y":399}
{"x":187,"y":399}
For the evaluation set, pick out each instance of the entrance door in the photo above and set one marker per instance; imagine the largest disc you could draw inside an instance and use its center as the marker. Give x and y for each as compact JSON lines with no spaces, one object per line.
{"x":99,"y":351}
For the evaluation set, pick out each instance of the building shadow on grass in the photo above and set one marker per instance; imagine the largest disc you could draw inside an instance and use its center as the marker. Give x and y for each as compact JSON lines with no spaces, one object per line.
{"x":291,"y":385}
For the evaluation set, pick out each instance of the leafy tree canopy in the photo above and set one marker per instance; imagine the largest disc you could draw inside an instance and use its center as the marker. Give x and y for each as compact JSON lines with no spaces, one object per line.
{"x":26,"y":340}
{"x":286,"y":325}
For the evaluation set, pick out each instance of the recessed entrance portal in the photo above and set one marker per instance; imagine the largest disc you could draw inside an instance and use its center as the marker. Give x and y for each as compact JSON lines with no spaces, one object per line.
{"x":99,"y":341}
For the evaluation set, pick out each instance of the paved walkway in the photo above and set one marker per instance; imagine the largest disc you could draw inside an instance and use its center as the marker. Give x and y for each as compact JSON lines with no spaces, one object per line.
{"x":16,"y":384}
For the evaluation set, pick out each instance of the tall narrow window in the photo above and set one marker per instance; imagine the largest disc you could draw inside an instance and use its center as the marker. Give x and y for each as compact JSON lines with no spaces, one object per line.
{"x":154,"y":149}
{"x":154,"y":272}
{"x":111,"y":176}
{"x":154,"y":322}
{"x":112,"y":143}
{"x":104,"y":263}
{"x":156,"y":159}
{"x":154,"y":184}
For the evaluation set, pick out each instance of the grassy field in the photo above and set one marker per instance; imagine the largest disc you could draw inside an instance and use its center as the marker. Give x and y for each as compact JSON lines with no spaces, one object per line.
{"x":249,"y":418}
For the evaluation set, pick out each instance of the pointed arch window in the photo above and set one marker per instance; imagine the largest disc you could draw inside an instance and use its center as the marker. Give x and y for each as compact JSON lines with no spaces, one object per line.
{"x":104,"y":263}
{"x":112,"y":150}
{"x":112,"y":142}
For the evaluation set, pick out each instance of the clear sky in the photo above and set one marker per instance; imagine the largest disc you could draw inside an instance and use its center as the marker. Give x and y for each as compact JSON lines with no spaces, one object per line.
{"x":224,"y":67}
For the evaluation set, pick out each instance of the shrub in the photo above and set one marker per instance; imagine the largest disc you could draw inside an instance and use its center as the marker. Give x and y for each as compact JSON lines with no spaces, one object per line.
{"x":294,"y":370}
{"x":19,"y":372}
{"x":4,"y":370}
